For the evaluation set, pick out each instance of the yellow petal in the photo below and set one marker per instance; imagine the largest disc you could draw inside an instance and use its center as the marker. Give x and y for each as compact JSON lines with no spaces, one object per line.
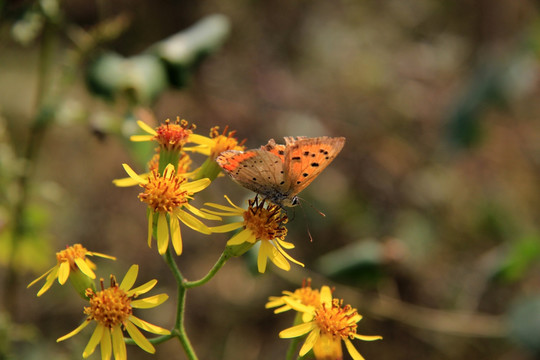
{"x":298,"y":306}
{"x":63,"y":272}
{"x":146,"y":127}
{"x":162,"y":234}
{"x":201,"y":149}
{"x":74,"y":332}
{"x":367,"y":337}
{"x":285,"y":244}
{"x":41,"y":277}
{"x":93,"y":253}
{"x":242,"y":237}
{"x":192,"y":222}
{"x":268,"y":250}
{"x":139,"y":138}
{"x":150,"y":302}
{"x":125,"y":182}
{"x":201,"y":140}
{"x":195,"y":186}
{"x":169,"y":171}
{"x":148,"y":327}
{"x":85,"y":269}
{"x":310,"y":341}
{"x":132,"y":174}
{"x":221,"y":213}
{"x":232,"y":204}
{"x":49,"y":281}
{"x":106,"y":346}
{"x":226,"y":228}
{"x":176,"y":235}
{"x":129,"y":278}
{"x":139,"y":290}
{"x":326,"y":295}
{"x":94,"y":341}
{"x":198,"y":212}
{"x":139,"y":338}
{"x":352,"y":350}
{"x":224,"y":208}
{"x":118,"y":344}
{"x":262,"y":258}
{"x":297,"y":330}
{"x":287,"y":256}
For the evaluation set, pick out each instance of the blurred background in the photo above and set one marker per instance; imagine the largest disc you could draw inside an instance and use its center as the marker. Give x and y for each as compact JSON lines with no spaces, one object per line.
{"x":432,"y":208}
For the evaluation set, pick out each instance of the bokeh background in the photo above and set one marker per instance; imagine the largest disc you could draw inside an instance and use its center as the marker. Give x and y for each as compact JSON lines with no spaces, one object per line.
{"x":432,"y":208}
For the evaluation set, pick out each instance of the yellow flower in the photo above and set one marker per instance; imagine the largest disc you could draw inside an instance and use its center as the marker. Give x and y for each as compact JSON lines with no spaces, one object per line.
{"x":330,"y":323}
{"x":112,"y":310}
{"x":218,"y":143}
{"x":170,"y":137}
{"x":183,"y":167}
{"x":69,"y":261}
{"x":167,"y":196}
{"x":304,"y":295}
{"x":265,"y":224}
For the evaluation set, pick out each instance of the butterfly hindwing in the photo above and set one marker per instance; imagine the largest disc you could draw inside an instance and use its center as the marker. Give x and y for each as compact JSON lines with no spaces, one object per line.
{"x":306,"y":158}
{"x":258,"y":170}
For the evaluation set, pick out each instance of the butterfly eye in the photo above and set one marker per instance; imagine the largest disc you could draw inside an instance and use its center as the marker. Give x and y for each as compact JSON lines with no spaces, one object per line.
{"x":295,"y":201}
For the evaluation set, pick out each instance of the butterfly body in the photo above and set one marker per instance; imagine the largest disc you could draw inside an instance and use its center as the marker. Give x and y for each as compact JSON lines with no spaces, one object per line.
{"x":279,"y":172}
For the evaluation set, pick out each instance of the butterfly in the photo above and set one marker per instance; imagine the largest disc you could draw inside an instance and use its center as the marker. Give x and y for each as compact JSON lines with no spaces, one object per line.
{"x":279,"y":172}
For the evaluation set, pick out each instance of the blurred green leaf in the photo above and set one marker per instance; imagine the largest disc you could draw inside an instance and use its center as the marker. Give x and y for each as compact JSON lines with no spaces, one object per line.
{"x":519,"y":259}
{"x":183,"y":51}
{"x":357,"y":263}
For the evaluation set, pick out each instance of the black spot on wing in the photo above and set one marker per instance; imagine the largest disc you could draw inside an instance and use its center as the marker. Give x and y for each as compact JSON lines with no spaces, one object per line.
{"x":314,"y":164}
{"x":295,"y":158}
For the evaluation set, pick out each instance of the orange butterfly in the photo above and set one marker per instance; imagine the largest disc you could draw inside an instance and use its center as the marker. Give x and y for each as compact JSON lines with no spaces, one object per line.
{"x":280,"y":172}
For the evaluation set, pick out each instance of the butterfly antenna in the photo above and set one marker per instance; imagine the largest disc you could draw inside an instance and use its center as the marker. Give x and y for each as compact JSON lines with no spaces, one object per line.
{"x":307,"y":223}
{"x":313,"y":207}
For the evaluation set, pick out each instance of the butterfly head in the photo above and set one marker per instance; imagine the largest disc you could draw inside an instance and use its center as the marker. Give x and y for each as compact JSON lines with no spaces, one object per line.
{"x":290,"y":202}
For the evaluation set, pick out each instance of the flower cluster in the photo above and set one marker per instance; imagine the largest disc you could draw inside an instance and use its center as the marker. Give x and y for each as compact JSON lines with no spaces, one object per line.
{"x":168,"y":189}
{"x":325,"y":319}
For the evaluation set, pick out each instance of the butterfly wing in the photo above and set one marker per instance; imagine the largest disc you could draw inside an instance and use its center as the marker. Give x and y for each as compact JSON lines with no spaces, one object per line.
{"x":258,"y":170}
{"x":305,"y":158}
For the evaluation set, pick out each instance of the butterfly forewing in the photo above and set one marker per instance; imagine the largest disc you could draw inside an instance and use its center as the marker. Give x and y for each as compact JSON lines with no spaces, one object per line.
{"x":306,"y":158}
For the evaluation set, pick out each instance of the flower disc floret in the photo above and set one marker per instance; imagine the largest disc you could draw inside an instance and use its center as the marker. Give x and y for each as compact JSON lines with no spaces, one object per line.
{"x":173,"y":136}
{"x":168,"y":197}
{"x":164,"y":193}
{"x":73,"y":260}
{"x":337,"y":320}
{"x":261,"y":222}
{"x":109,"y":307}
{"x":265,"y":223}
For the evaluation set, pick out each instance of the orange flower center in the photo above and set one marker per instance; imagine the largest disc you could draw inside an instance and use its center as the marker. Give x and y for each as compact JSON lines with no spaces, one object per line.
{"x":266,"y":223}
{"x":173,"y":136}
{"x":70,"y":254}
{"x":163,"y":193}
{"x":337,"y":320}
{"x":308,"y":296}
{"x":109,"y":307}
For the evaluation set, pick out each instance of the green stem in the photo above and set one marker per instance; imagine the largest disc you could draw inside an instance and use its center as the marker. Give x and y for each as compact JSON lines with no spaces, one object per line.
{"x":42,"y":119}
{"x":218,"y":265}
{"x":293,"y":348}
{"x":179,"y":329}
